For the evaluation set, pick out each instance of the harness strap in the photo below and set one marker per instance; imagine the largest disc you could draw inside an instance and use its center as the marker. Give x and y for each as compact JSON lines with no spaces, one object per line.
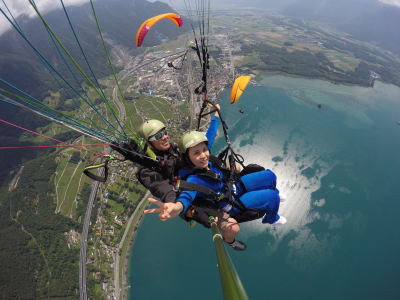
{"x":207,"y":173}
{"x":87,"y":172}
{"x":211,"y":195}
{"x":181,"y":185}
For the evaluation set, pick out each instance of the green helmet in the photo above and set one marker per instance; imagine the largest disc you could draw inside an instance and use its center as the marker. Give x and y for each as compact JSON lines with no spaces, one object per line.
{"x":191,"y":139}
{"x":150,"y":128}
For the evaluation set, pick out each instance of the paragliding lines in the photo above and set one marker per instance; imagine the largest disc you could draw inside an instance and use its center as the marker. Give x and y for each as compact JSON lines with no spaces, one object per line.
{"x":56,"y":146}
{"x":78,"y":67}
{"x":43,"y":108}
{"x":46,"y":62}
{"x":51,"y":117}
{"x":80,"y":47}
{"x":80,"y":147}
{"x":15,"y":21}
{"x":66,"y":63}
{"x":109,"y":62}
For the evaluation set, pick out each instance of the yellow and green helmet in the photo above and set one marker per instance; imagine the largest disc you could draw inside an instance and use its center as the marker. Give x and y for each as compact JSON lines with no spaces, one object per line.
{"x":150,"y":128}
{"x":191,"y":139}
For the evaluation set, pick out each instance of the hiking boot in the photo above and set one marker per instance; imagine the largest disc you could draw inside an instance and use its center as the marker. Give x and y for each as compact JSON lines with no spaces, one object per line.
{"x":238,"y":245}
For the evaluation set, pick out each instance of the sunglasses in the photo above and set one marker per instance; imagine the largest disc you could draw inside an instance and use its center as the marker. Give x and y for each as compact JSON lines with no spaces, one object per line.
{"x":158,"y":136}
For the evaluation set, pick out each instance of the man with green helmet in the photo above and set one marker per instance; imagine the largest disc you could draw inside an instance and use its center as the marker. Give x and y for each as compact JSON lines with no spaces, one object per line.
{"x":155,"y":134}
{"x":158,"y":159}
{"x":158,"y":146}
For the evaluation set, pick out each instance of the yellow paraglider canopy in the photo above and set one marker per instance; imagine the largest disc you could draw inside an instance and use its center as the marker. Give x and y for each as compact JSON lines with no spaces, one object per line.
{"x":239,"y":86}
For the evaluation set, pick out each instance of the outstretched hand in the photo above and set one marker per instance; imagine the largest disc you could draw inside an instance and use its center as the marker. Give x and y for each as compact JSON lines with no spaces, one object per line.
{"x":165,"y":210}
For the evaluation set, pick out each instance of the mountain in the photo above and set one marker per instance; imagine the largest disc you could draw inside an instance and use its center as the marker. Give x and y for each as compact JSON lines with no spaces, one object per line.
{"x":19,"y":65}
{"x":119,"y":20}
{"x":380,"y":27}
{"x":367,"y":20}
{"x":330,"y":11}
{"x":37,"y":260}
{"x":237,"y":4}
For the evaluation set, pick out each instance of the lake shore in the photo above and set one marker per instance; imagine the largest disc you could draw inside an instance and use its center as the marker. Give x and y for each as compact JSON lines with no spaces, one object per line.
{"x":121,"y":284}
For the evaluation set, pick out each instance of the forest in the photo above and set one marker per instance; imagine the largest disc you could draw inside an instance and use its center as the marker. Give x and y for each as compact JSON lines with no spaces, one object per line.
{"x":306,"y":64}
{"x":35,"y":258}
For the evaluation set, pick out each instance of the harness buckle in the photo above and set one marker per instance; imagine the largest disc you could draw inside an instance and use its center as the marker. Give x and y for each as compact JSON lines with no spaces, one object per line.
{"x":220,"y":197}
{"x":176,"y":185}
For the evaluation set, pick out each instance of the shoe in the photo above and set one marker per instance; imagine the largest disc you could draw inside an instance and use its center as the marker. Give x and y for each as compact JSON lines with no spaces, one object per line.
{"x":282,"y":220}
{"x":238,"y":245}
{"x":282,"y":197}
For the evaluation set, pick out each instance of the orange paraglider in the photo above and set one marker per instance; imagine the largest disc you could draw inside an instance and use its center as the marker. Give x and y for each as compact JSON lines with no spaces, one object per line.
{"x":146,"y":25}
{"x":239,"y":86}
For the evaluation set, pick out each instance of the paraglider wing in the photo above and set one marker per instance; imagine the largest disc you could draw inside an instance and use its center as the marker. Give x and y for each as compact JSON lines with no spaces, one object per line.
{"x":145,"y":27}
{"x":239,"y":86}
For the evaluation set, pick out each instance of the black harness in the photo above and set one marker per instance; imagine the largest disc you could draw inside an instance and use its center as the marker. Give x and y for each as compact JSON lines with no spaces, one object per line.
{"x":211,"y":199}
{"x":165,"y":166}
{"x":208,"y":194}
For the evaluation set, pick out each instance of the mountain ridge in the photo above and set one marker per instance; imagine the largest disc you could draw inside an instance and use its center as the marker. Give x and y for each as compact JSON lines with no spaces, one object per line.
{"x":367,"y":20}
{"x":130,"y":14}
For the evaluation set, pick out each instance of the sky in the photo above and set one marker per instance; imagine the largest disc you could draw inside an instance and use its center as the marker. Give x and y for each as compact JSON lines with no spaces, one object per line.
{"x":391,"y":2}
{"x":22,"y":7}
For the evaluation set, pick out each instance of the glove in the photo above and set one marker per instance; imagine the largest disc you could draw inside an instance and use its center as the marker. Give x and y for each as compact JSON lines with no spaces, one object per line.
{"x":126,"y":149}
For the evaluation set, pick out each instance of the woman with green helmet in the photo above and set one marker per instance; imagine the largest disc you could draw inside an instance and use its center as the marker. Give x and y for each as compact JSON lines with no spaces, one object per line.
{"x":254,"y":192}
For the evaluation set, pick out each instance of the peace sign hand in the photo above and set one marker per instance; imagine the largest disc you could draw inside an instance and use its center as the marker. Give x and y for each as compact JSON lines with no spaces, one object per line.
{"x":165,"y":210}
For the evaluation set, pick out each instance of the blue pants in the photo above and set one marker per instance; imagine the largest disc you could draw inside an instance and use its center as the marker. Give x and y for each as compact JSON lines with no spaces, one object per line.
{"x":261,"y":194}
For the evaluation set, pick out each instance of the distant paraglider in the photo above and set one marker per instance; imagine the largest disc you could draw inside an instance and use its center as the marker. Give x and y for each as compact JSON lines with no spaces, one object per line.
{"x":146,"y":25}
{"x":241,"y":111}
{"x":239,"y":86}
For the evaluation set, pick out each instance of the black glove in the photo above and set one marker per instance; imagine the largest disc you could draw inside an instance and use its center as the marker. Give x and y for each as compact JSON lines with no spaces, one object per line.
{"x":133,"y":152}
{"x":128,"y":150}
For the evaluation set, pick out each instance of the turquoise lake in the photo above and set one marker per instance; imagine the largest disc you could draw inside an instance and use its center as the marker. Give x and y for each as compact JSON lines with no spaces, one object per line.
{"x":339,"y":166}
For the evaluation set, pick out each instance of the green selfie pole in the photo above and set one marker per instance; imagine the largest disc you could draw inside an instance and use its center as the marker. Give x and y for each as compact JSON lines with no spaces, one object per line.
{"x":231,"y":285}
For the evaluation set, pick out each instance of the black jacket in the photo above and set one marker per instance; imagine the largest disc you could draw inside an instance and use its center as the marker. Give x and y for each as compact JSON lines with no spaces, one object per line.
{"x":159,"y":184}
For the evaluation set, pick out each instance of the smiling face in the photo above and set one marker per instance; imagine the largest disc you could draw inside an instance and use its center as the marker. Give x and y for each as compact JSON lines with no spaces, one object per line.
{"x":199,"y":155}
{"x":163,"y":143}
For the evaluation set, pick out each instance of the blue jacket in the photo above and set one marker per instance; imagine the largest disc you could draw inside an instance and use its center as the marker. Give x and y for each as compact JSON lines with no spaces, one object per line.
{"x":260,"y":194}
{"x":187,"y":197}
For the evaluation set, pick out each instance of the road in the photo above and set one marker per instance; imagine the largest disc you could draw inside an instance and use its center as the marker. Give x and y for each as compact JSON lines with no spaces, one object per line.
{"x":121,"y":106}
{"x":116,"y":254}
{"x":86,"y":223}
{"x":85,"y":231}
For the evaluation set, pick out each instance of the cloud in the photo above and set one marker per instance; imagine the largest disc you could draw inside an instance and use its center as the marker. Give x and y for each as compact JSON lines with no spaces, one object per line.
{"x":391,"y":2}
{"x":23,"y":8}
